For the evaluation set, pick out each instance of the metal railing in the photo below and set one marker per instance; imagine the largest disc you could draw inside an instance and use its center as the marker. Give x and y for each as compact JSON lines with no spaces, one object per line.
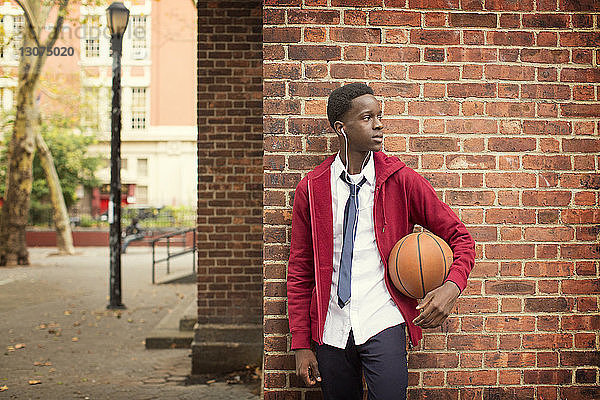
{"x":173,"y":238}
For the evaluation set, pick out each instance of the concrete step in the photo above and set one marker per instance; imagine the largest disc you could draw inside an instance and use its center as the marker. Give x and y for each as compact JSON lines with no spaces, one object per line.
{"x":226,"y":347}
{"x":167,"y":334}
{"x":189,"y":318}
{"x":181,"y":277}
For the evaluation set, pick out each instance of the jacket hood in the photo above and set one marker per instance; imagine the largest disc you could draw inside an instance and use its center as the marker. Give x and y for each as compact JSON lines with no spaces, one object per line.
{"x":385,"y":166}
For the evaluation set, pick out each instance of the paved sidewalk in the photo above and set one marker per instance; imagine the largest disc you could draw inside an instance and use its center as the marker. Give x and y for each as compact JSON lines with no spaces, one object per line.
{"x":58,"y":340}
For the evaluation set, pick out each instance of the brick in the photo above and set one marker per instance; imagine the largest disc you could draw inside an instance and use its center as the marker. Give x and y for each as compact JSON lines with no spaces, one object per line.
{"x":394,"y":18}
{"x":580,"y":110}
{"x":586,"y":251}
{"x":281,"y":35}
{"x":292,"y":3}
{"x":587,"y":75}
{"x":283,"y":143}
{"x":556,"y":376}
{"x":476,"y":305}
{"x":471,"y":90}
{"x":355,"y":53}
{"x":580,"y":322}
{"x":509,"y":359}
{"x":545,"y":91}
{"x":315,"y":34}
{"x":579,"y":39}
{"x":312,"y":88}
{"x":509,"y":5}
{"x":395,"y":89}
{"x":470,"y":162}
{"x":355,"y":35}
{"x":510,"y":109}
{"x":509,"y":324}
{"x":508,"y":216}
{"x":510,"y":38}
{"x":357,"y":3}
{"x":433,"y":108}
{"x":511,"y":144}
{"x":551,"y":128}
{"x":273,"y":16}
{"x":434,"y":36}
{"x":434,"y":55}
{"x":281,"y":70}
{"x":399,"y":36}
{"x":471,"y":342}
{"x":585,"y":5}
{"x":580,"y":392}
{"x":542,"y":269}
{"x":547,"y":305}
{"x":545,"y":56}
{"x":487,"y":20}
{"x":546,"y":198}
{"x":356,"y":71}
{"x":434,"y":72}
{"x":313,"y":17}
{"x":547,"y":340}
{"x":281,"y":106}
{"x":433,"y":144}
{"x":309,"y":126}
{"x":439,"y":4}
{"x":511,"y":251}
{"x":393,"y":54}
{"x":433,"y":360}
{"x":510,"y":72}
{"x":432,"y":393}
{"x":355,"y":17}
{"x":546,"y":21}
{"x":483,"y":377}
{"x":314,"y":52}
{"x":470,"y":198}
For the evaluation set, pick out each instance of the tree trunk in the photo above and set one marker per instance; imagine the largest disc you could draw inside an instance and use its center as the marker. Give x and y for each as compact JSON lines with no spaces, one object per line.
{"x":19,"y":179}
{"x":64,"y":237}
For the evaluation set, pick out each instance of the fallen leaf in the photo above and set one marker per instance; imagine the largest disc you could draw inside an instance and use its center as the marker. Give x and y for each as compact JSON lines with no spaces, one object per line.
{"x":68,"y":312}
{"x":75,"y":339}
{"x":10,"y":348}
{"x":76,"y":323}
{"x":210,"y":381}
{"x":129,"y":320}
{"x":20,"y":346}
{"x":3,"y":388}
{"x":34,"y":382}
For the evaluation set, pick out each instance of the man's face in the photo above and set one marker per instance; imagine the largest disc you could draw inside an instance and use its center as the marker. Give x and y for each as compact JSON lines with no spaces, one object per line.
{"x":362,"y":124}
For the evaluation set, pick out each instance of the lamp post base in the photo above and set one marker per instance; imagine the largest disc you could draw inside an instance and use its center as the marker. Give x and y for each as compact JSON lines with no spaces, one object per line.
{"x":116,"y":307}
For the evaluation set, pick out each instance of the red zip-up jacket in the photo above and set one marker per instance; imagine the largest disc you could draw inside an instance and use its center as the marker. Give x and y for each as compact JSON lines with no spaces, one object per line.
{"x":402,"y":199}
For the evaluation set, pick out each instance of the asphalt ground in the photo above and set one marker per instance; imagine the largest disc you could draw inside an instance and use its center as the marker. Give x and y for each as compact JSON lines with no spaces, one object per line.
{"x":59,"y":341}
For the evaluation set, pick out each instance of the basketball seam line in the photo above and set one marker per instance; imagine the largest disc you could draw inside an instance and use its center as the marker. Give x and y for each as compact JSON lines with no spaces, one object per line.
{"x":436,"y":242}
{"x":420,"y":266}
{"x":400,"y":280}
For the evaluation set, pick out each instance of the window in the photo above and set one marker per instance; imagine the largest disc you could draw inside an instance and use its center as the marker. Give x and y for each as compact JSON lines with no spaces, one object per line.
{"x":123,"y":164}
{"x":141,"y":196}
{"x":138,"y":44}
{"x":7,"y":98}
{"x":142,"y":167}
{"x":92,"y":36}
{"x":90,"y":107}
{"x":138,"y":108}
{"x":17,"y":38}
{"x":3,"y":39}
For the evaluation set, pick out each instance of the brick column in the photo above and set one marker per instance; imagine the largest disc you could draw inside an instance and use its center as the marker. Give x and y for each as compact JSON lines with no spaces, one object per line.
{"x":496,"y":103}
{"x":229,"y":332}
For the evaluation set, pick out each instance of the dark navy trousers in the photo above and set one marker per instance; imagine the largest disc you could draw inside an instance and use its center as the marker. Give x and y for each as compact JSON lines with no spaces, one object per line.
{"x":382,"y":358}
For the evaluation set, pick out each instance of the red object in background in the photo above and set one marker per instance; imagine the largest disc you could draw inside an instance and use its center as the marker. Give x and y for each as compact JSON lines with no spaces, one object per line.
{"x":101,"y":197}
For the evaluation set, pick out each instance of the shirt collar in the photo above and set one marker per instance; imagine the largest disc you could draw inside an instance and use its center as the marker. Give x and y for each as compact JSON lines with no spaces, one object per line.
{"x":368,"y":171}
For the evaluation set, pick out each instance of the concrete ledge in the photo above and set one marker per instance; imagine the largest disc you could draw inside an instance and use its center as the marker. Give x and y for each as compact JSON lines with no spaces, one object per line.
{"x":225,"y":348}
{"x":167,"y":334}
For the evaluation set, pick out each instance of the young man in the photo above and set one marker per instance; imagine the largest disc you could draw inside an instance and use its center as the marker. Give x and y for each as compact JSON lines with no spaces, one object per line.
{"x":348,"y":213}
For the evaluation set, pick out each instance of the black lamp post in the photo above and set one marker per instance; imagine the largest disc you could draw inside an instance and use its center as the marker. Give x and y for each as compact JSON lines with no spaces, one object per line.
{"x":117,"y":16}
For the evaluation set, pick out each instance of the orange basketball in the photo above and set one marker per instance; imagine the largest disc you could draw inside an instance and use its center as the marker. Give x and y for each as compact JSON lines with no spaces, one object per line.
{"x":419,"y":263}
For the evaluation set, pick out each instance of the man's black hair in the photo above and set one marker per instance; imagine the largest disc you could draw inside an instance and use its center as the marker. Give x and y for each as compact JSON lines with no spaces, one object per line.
{"x":340,"y":99}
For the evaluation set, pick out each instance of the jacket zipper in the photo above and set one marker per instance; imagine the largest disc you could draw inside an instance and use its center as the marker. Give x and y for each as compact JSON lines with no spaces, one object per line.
{"x":410,"y":343}
{"x":316,"y":260}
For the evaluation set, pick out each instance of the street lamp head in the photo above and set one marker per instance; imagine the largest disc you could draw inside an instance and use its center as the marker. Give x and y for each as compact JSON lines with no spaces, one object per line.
{"x":117,"y":16}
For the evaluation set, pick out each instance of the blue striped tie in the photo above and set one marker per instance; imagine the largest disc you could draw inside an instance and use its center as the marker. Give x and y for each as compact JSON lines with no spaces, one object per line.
{"x":349,"y":235}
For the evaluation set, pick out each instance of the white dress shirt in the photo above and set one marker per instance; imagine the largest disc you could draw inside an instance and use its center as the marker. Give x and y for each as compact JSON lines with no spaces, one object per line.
{"x":371,"y":308}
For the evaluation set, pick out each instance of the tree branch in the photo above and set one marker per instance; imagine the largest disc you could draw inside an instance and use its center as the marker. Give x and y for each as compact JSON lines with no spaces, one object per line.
{"x":29,"y":17}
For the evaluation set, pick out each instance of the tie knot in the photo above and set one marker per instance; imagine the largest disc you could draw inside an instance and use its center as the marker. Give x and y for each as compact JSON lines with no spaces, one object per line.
{"x":354,"y":188}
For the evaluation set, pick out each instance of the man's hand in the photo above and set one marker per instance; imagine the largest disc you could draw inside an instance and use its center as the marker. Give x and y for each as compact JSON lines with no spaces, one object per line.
{"x":436,"y":305}
{"x":307,"y":367}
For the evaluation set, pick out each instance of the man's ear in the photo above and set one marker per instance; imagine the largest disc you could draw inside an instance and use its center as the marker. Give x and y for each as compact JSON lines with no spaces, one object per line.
{"x":337,"y":127}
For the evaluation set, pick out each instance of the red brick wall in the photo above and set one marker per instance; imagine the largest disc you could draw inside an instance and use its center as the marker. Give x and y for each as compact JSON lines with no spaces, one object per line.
{"x":229,"y":162}
{"x":496,"y":103}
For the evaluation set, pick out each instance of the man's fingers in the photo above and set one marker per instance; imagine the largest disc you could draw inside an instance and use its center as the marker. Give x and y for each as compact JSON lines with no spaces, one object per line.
{"x":314,"y":366}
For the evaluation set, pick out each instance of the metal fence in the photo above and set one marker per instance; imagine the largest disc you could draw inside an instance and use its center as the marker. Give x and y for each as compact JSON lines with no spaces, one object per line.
{"x":147,"y":218}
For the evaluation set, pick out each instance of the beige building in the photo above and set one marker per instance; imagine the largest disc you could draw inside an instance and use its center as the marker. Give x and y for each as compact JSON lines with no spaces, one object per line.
{"x":159,"y":132}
